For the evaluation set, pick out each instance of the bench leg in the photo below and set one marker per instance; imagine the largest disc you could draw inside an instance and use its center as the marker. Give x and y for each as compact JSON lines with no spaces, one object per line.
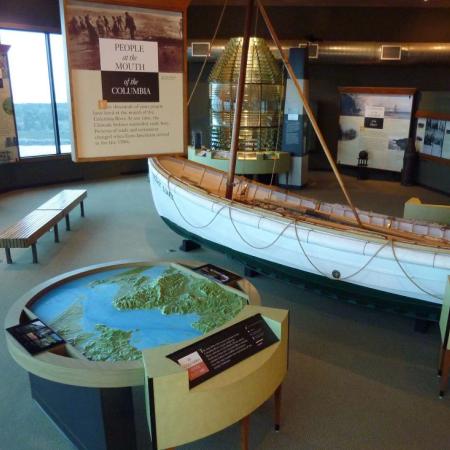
{"x":82,"y":209}
{"x":8,"y":255}
{"x":67,"y":223}
{"x":34,"y":251}
{"x":55,"y":230}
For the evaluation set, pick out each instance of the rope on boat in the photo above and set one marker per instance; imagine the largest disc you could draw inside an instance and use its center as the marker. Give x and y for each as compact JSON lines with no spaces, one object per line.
{"x":254,"y":246}
{"x":410,"y":277}
{"x":182,"y":215}
{"x":294,"y":223}
{"x":325,"y":274}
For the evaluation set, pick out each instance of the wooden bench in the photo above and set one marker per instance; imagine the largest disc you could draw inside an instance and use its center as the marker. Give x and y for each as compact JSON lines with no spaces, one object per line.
{"x":28,"y":230}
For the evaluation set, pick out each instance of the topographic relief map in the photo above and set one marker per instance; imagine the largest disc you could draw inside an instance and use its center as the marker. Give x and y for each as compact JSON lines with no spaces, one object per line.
{"x":113,"y":315}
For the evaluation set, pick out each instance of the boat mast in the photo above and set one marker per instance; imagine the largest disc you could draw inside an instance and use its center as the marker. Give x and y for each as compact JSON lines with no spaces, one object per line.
{"x":308,"y":110}
{"x":239,"y":100}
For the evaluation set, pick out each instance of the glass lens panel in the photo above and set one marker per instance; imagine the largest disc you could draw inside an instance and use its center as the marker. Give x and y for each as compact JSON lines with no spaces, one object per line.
{"x":31,"y":91}
{"x":60,"y":83}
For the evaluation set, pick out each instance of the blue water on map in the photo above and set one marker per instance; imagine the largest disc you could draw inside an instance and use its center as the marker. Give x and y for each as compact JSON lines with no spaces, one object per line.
{"x":150,"y":328}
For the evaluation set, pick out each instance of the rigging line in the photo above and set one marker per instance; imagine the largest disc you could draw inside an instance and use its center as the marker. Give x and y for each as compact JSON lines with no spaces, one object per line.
{"x":207,"y":56}
{"x":308,"y":111}
{"x":306,"y":256}
{"x":254,"y":246}
{"x":171,"y":196}
{"x":410,"y":277}
{"x":325,"y":274}
{"x":279,"y":126}
{"x":367,"y":263}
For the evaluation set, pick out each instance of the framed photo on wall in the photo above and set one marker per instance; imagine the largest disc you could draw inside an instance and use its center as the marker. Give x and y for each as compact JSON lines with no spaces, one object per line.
{"x":127,"y":76}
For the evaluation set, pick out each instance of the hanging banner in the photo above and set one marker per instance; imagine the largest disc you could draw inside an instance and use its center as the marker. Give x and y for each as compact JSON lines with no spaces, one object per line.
{"x":126,"y":71}
{"x":378,"y":121}
{"x":9,"y":150}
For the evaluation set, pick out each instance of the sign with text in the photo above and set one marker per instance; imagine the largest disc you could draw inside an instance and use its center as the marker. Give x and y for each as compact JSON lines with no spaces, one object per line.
{"x":217,"y":274}
{"x":377,"y":121}
{"x":222,"y":350}
{"x":374,"y":117}
{"x":126,"y":71}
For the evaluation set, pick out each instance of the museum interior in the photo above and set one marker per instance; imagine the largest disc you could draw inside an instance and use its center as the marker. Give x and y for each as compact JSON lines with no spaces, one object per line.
{"x":276,"y":276}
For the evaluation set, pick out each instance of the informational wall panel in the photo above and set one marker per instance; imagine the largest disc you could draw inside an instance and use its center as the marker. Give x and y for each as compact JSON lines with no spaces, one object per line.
{"x":378,"y":121}
{"x":9,"y":151}
{"x":126,"y":71}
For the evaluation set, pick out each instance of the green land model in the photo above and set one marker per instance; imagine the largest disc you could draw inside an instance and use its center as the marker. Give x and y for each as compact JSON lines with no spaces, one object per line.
{"x":176,"y":291}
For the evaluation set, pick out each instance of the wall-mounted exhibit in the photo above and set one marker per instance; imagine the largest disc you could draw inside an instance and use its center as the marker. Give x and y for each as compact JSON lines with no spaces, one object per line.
{"x":377,"y":121}
{"x":433,"y":125}
{"x":9,"y":150}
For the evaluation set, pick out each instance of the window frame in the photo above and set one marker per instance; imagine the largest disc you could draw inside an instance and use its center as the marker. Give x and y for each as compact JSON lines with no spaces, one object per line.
{"x":53,"y":104}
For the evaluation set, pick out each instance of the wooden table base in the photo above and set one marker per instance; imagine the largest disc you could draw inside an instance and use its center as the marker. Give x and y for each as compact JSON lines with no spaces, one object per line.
{"x":245,"y":429}
{"x":444,"y":371}
{"x":277,"y":418}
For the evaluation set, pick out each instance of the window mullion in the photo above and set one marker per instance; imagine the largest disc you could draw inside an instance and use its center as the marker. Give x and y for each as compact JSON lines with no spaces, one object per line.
{"x":52,"y":94}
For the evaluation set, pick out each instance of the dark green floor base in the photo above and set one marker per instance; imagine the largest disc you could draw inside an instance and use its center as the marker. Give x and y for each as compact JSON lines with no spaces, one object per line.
{"x":95,"y":418}
{"x":341,"y":290}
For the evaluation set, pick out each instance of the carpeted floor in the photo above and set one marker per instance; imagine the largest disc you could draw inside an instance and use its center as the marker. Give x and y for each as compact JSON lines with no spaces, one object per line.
{"x":358,"y":378}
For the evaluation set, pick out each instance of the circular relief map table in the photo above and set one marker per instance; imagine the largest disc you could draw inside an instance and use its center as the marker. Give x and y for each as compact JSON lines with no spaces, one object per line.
{"x":93,"y":387}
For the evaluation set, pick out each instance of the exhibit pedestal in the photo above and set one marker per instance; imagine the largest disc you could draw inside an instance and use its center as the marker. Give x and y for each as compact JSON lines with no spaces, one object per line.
{"x":97,"y":405}
{"x":95,"y":418}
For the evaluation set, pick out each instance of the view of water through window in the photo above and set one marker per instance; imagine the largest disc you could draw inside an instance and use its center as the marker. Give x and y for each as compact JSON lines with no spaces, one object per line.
{"x":30,"y":82}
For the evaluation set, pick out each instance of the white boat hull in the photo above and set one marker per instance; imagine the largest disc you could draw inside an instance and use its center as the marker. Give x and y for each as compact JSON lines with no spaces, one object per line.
{"x":413,"y":271}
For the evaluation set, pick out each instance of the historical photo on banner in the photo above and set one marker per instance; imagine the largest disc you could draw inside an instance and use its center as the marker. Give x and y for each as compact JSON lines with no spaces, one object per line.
{"x":377,"y":123}
{"x":126,"y":74}
{"x":9,"y":150}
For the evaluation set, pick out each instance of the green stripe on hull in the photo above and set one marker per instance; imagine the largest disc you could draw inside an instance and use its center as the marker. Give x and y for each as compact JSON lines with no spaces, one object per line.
{"x":341,"y":290}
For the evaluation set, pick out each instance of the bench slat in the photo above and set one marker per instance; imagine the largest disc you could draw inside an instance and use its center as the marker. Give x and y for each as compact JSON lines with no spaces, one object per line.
{"x":30,"y":228}
{"x":67,"y":198}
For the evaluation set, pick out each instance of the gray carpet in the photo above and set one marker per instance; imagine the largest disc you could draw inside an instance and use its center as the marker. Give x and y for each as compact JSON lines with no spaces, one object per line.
{"x":358,"y":378}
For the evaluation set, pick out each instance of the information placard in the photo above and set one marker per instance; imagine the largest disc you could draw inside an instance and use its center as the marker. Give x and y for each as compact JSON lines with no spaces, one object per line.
{"x":218,"y":274}
{"x":35,"y":336}
{"x":126,"y":72}
{"x":222,"y":350}
{"x":376,"y":120}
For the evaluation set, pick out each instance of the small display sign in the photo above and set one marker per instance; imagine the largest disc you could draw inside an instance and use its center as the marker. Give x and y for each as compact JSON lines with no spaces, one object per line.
{"x":217,"y":274}
{"x":35,"y":336}
{"x":374,"y":117}
{"x":216,"y":353}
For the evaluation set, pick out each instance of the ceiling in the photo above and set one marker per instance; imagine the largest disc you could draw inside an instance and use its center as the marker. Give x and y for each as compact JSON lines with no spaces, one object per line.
{"x":344,"y":3}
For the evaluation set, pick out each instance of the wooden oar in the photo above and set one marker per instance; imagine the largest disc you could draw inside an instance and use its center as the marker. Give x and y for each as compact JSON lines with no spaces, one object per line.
{"x":308,"y":110}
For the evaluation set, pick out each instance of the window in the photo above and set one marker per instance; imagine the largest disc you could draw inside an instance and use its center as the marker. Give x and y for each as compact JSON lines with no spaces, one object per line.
{"x":39,"y":87}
